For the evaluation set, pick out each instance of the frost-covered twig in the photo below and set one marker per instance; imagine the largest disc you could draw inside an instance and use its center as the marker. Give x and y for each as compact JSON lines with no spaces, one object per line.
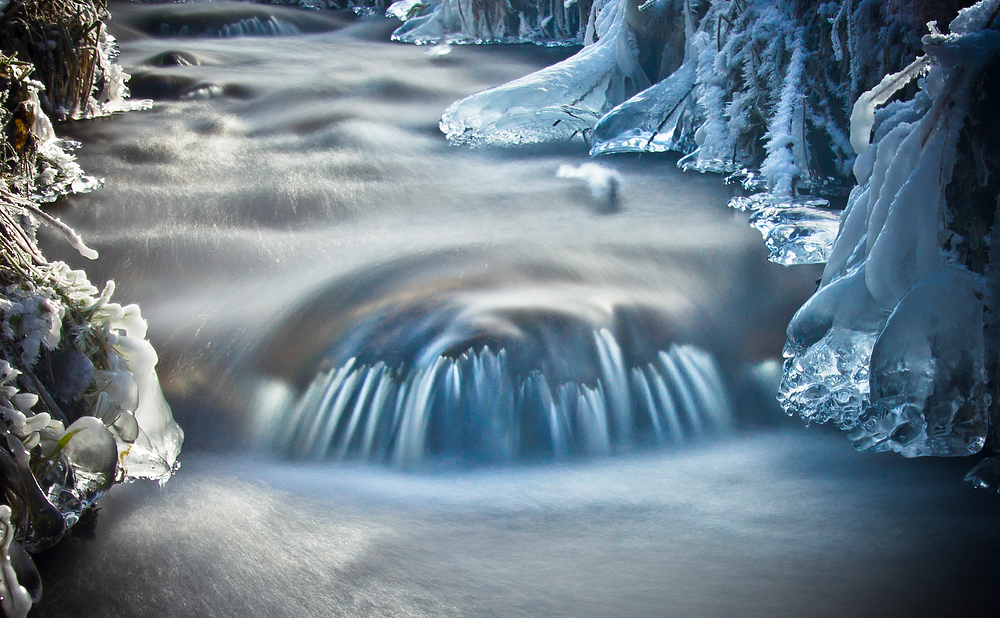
{"x":71,"y":235}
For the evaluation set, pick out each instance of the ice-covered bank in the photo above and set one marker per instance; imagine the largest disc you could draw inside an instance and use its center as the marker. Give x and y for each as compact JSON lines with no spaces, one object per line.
{"x":895,"y":345}
{"x":80,"y":403}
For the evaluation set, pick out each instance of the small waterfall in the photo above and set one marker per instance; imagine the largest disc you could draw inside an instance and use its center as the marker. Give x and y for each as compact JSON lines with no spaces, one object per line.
{"x":250,"y":26}
{"x":476,"y":408}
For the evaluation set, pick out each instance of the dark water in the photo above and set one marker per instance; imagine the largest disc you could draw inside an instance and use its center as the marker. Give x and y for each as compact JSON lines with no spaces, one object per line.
{"x":289,"y":202}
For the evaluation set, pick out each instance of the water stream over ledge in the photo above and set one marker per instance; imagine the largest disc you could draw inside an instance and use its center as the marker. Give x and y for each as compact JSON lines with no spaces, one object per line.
{"x":326,"y":279}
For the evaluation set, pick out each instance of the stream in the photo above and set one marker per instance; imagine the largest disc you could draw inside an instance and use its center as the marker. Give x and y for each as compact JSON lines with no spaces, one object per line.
{"x":344,"y":305}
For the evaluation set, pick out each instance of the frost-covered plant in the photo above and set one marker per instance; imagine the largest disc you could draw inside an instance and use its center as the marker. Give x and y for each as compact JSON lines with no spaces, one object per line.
{"x":750,"y":90}
{"x":71,"y":53}
{"x":35,"y":162}
{"x":80,"y":404}
{"x":56,"y":60}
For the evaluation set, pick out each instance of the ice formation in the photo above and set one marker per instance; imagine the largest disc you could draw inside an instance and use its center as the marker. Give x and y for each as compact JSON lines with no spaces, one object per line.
{"x":80,"y":409}
{"x":96,"y":362}
{"x":14,"y":598}
{"x":892,"y":346}
{"x":658,"y":119}
{"x":797,"y":234}
{"x":475,"y":408}
{"x":734,"y":98}
{"x":731,"y":94}
{"x":562,"y":101}
{"x":112,"y":96}
{"x":56,"y":172}
{"x":69,"y":322}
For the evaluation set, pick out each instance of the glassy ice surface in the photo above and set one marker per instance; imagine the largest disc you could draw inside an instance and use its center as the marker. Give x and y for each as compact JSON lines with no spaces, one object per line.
{"x":658,"y":119}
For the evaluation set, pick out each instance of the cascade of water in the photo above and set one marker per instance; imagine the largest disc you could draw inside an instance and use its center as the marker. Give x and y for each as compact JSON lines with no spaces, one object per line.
{"x":250,"y":26}
{"x":477,"y":408}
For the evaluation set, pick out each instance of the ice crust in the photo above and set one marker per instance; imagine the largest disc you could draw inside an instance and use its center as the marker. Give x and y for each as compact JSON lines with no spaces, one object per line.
{"x":897,"y":326}
{"x":657,"y":119}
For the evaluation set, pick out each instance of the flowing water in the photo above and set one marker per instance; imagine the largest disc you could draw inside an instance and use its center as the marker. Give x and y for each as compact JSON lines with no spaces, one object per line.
{"x":429,"y":381}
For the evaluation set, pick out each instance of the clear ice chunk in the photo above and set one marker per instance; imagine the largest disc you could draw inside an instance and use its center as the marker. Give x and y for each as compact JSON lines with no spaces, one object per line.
{"x":986,"y":474}
{"x":405,"y":9}
{"x":928,"y":380}
{"x":84,"y":468}
{"x":153,"y":454}
{"x":827,"y":356}
{"x":658,"y":119}
{"x":797,"y":234}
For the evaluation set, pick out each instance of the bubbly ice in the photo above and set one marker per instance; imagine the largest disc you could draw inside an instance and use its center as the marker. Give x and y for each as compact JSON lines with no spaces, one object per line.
{"x":928,"y":380}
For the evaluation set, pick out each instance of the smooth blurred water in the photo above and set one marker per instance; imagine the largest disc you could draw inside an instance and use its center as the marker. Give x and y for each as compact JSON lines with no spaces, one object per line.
{"x":289,"y":203}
